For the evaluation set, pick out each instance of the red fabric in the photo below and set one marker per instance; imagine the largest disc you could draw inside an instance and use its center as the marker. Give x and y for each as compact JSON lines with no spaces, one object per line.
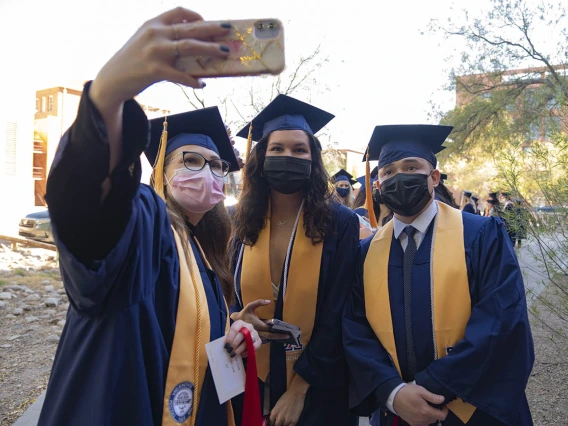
{"x":395,"y":422}
{"x":251,"y":407}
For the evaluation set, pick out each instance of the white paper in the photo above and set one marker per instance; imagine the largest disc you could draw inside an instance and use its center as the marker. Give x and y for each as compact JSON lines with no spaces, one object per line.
{"x":228,"y":373}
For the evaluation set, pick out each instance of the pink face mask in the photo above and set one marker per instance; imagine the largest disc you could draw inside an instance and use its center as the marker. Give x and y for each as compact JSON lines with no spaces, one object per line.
{"x":196,"y":192}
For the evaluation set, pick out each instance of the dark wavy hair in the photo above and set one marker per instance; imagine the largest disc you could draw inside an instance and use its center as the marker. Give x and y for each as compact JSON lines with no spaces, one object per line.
{"x":252,"y":208}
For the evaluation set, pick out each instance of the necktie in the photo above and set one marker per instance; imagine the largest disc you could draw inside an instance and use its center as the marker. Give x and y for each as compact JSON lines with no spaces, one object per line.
{"x":409,"y":255}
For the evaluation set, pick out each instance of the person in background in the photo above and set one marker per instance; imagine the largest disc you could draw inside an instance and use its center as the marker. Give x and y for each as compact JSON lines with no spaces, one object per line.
{"x":231,"y":178}
{"x":382,"y":215}
{"x":522,"y":216}
{"x":359,"y":205}
{"x":145,"y":268}
{"x":443,"y":194}
{"x":294,"y":257}
{"x":436,"y":329}
{"x":467,"y":204}
{"x":475,"y":201}
{"x":508,"y":214}
{"x":492,"y":207}
{"x":343,"y":184}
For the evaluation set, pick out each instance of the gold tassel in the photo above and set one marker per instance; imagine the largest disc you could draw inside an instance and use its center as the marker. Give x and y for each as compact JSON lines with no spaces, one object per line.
{"x":249,"y":143}
{"x":158,"y":176}
{"x":369,"y":194}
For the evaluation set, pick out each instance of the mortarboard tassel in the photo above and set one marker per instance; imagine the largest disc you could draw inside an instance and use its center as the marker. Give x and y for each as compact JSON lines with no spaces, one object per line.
{"x":249,"y":143}
{"x":158,"y":176}
{"x":369,"y":195}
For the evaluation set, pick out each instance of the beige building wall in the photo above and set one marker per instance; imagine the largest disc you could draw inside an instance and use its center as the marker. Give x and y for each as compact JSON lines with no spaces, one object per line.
{"x":49,"y":113}
{"x":16,"y":146}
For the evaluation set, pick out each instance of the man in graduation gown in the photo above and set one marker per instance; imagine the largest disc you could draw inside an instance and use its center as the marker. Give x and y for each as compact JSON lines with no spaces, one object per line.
{"x":436,"y":329}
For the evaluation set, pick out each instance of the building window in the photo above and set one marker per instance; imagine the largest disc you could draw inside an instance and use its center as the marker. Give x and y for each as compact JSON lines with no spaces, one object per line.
{"x":10,"y":148}
{"x":43,"y":106}
{"x":50,"y":104}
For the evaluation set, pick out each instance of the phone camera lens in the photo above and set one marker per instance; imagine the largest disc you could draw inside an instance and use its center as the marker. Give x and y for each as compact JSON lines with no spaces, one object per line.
{"x":271,"y":26}
{"x":260,"y":26}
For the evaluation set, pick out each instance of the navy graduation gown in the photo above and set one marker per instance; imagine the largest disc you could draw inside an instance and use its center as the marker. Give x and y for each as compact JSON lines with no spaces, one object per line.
{"x":489,"y":368}
{"x":322,"y":364}
{"x":123,"y":286}
{"x":468,"y":208}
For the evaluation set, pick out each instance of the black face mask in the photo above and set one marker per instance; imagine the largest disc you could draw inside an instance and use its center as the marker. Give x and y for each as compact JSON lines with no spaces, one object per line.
{"x":285,"y":174}
{"x":342,"y":192}
{"x":406,"y":193}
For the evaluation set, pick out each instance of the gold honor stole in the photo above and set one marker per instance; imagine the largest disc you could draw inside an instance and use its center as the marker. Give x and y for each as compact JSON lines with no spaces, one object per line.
{"x":450,"y":289}
{"x":301,"y":290}
{"x":188,"y":360}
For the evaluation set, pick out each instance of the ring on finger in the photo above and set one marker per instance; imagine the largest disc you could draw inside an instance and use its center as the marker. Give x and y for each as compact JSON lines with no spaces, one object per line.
{"x":176,"y":33}
{"x":176,"y":50}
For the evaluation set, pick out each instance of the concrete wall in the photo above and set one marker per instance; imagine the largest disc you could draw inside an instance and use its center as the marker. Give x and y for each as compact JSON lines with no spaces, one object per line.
{"x":16,"y":183}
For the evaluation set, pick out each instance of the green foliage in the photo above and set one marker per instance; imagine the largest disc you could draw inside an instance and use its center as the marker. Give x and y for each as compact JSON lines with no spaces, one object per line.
{"x":510,"y":124}
{"x":496,"y":105}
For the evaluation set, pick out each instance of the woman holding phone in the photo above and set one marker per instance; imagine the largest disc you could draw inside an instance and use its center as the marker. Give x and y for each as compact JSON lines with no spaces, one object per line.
{"x":146,"y":269}
{"x":294,"y":260}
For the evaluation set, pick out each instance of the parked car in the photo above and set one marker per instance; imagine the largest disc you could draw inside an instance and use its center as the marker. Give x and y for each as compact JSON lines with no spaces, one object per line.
{"x":37,"y":226}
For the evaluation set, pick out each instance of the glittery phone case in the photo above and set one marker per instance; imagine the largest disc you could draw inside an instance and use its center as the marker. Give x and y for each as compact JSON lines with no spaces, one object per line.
{"x":257,"y":47}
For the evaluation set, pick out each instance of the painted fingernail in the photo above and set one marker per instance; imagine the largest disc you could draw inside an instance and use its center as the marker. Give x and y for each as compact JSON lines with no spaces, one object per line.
{"x":226,"y":25}
{"x":225,"y":49}
{"x":233,"y":354}
{"x":227,"y":346}
{"x":229,"y":349}
{"x":203,"y":84}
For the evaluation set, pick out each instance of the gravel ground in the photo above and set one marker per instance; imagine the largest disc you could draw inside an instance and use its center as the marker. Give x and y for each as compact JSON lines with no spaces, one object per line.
{"x":28,"y":340}
{"x":33,"y":308}
{"x":547,"y":390}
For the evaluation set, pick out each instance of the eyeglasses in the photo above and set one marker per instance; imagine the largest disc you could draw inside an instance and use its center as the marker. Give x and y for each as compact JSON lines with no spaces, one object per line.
{"x":195,"y":162}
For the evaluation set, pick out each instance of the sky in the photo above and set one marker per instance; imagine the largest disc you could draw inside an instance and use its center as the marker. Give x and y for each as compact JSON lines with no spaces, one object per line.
{"x":381,"y":70}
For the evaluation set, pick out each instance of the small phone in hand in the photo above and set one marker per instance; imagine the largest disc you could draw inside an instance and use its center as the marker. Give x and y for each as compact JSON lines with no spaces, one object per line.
{"x":256,"y":47}
{"x":280,"y":327}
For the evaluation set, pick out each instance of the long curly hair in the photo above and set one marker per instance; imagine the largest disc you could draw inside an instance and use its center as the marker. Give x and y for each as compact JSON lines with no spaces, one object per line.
{"x":252,"y":209}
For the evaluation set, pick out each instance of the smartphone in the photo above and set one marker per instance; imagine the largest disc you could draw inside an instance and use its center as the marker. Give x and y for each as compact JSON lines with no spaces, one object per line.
{"x":281,"y":325}
{"x":256,"y":47}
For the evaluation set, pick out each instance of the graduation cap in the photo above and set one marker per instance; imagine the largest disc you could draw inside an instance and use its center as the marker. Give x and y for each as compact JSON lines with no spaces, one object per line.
{"x":475,"y":199}
{"x":468,"y":194}
{"x":443,"y":177}
{"x":493,"y":195}
{"x":203,"y":128}
{"x":395,"y":142}
{"x":285,"y":113}
{"x":343,"y":175}
{"x":374,"y":175}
